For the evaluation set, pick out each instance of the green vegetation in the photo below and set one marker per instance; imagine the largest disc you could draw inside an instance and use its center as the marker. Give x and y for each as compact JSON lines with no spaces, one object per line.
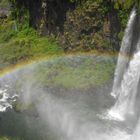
{"x":75,"y":73}
{"x":23,"y":43}
{"x":88,"y":28}
{"x":32,"y":31}
{"x":83,"y":77}
{"x":3,"y":3}
{"x":80,"y":72}
{"x":127,"y":4}
{"x":88,"y":25}
{"x":84,"y":24}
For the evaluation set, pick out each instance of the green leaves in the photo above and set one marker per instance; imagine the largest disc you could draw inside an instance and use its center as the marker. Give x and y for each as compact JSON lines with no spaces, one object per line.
{"x":138,"y":5}
{"x":127,"y":4}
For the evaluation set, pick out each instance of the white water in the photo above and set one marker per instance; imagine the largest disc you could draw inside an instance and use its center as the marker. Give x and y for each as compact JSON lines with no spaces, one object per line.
{"x":123,"y":58}
{"x":136,"y":135}
{"x":6,"y":100}
{"x":72,"y":121}
{"x":71,"y":116}
{"x":128,"y":90}
{"x":126,"y":75}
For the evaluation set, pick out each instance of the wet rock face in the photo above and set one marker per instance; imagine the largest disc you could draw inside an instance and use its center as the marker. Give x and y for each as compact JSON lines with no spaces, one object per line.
{"x":55,"y":14}
{"x":85,"y":26}
{"x":91,"y":27}
{"x":47,"y":16}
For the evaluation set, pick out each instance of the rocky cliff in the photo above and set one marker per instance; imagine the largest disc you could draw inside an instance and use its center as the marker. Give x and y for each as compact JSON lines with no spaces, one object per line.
{"x":77,"y":24}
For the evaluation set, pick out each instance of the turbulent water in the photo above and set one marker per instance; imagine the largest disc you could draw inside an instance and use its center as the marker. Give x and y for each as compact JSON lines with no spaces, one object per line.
{"x":34,"y":104}
{"x":128,"y":90}
{"x":127,"y":79}
{"x":123,"y":58}
{"x":56,"y":113}
{"x":5,"y":99}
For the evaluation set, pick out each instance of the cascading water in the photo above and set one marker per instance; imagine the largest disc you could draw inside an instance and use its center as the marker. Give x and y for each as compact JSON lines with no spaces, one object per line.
{"x":70,"y":114}
{"x":6,"y":100}
{"x":127,"y":74}
{"x":128,"y":90}
{"x":74,"y":121}
{"x":57,"y":113}
{"x":136,"y":135}
{"x":123,"y":58}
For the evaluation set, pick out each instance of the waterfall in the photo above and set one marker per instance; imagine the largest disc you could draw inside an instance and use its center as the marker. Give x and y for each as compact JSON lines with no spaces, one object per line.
{"x":127,"y":74}
{"x":123,"y":58}
{"x":128,"y":90}
{"x":136,"y":134}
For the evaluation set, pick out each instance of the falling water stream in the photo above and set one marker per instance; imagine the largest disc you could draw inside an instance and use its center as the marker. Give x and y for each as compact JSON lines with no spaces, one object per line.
{"x":127,"y":75}
{"x":123,"y":58}
{"x":128,"y":90}
{"x":56,"y":113}
{"x":30,"y":109}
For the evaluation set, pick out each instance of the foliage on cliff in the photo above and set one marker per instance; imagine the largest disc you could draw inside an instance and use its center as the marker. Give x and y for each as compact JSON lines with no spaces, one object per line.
{"x":75,"y":24}
{"x":94,"y":25}
{"x":126,"y":4}
{"x":82,"y":26}
{"x":23,"y":43}
{"x":78,"y":24}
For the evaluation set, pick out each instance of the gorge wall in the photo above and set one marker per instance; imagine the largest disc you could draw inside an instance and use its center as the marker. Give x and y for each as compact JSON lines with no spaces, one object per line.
{"x":78,"y":24}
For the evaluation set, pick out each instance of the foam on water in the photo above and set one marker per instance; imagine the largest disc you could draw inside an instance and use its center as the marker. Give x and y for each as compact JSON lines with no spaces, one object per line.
{"x":113,"y":115}
{"x":6,"y":100}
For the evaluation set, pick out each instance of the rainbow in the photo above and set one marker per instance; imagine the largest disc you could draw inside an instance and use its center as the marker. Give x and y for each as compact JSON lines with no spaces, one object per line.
{"x":25,"y":63}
